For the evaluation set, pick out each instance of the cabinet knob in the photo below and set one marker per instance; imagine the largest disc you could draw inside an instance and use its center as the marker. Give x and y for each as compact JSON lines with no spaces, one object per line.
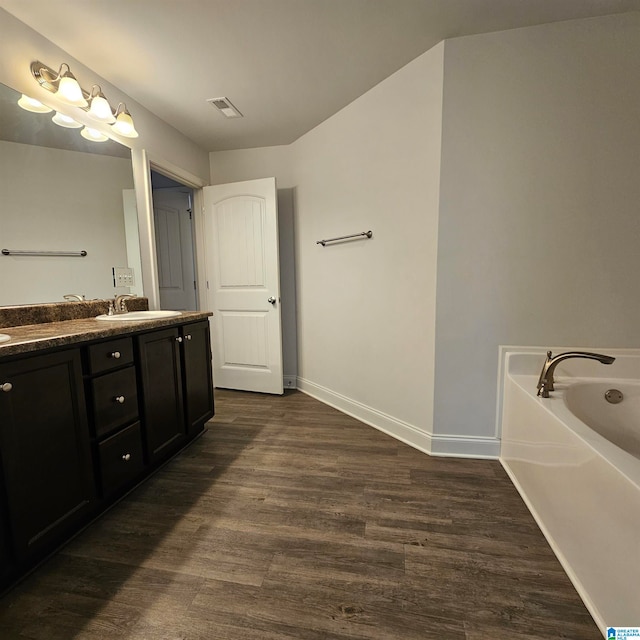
{"x":188,"y":336}
{"x":119,"y":399}
{"x":115,"y":354}
{"x":179,"y":339}
{"x":126,"y":457}
{"x":6,"y":387}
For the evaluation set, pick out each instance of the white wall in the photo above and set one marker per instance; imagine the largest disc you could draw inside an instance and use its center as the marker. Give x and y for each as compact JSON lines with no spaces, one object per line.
{"x":251,"y":164}
{"x":75,"y":205}
{"x":366,"y":310}
{"x":539,"y":222}
{"x":366,"y":323}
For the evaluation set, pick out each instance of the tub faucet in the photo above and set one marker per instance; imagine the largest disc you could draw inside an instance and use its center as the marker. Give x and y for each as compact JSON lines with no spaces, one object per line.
{"x":545,"y":381}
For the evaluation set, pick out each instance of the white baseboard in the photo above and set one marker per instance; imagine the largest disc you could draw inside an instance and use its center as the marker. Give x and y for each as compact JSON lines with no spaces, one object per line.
{"x":465,"y":446}
{"x":450,"y":445}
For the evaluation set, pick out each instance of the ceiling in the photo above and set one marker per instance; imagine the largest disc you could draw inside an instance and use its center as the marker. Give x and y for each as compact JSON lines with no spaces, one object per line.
{"x":287,"y":65}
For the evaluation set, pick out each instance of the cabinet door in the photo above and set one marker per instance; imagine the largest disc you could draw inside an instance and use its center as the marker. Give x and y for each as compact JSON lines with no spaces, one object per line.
{"x":161,"y":390}
{"x":5,"y":556}
{"x":44,"y":443}
{"x":198,"y":380}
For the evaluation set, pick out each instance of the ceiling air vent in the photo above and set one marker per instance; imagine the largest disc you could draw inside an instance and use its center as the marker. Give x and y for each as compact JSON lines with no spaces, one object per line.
{"x":224,"y":106}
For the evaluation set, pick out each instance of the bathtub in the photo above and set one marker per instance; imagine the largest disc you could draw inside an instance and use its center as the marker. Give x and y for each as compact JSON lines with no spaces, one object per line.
{"x":575,"y":459}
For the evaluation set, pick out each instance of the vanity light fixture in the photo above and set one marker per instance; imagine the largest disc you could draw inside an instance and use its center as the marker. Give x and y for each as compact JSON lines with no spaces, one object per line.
{"x":31,"y":104}
{"x":93,"y":134}
{"x":99,"y":107}
{"x":65,"y":121}
{"x":69,"y":91}
{"x":63,"y":84}
{"x":124,"y":122}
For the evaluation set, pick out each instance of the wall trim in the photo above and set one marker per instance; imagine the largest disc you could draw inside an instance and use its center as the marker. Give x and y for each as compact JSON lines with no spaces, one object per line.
{"x":450,"y":445}
{"x":465,"y":446}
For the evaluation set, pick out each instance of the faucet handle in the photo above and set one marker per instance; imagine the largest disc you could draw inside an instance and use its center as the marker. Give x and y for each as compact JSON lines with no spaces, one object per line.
{"x":111,"y":309}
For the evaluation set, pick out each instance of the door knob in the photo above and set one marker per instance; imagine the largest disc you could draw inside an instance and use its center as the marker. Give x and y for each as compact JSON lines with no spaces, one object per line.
{"x":271,"y":300}
{"x":6,"y":386}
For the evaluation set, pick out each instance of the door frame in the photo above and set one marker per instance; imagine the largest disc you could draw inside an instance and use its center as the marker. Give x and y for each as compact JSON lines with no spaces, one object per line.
{"x":143,"y":162}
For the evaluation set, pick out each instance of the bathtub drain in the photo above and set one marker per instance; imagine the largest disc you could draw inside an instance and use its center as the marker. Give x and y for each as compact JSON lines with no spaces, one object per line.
{"x":614,"y":396}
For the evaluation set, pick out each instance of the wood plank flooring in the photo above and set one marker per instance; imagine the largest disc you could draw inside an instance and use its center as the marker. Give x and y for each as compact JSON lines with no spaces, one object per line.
{"x":289,"y":520}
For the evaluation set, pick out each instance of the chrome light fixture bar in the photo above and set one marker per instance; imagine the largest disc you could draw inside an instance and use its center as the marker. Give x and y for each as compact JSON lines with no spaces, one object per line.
{"x":63,"y":84}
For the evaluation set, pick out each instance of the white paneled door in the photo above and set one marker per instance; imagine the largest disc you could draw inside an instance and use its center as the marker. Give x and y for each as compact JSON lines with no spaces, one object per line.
{"x":174,"y":248}
{"x":243,"y":285}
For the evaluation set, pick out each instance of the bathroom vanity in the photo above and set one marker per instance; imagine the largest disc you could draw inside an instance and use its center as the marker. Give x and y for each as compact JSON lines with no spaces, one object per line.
{"x":88,"y":410}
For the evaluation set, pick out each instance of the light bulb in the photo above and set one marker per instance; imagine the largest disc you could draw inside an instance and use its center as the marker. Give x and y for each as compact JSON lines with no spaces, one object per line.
{"x":124,"y":125}
{"x":33,"y":105}
{"x":93,"y":134}
{"x":101,"y":109}
{"x":69,"y":90}
{"x":65,"y":121}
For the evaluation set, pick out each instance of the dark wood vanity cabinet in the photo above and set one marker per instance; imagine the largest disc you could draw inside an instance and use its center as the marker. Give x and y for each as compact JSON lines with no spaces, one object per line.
{"x":80,"y":426}
{"x":114,"y":415}
{"x":176,"y":385}
{"x":6,"y":559}
{"x":45,"y":450}
{"x":160,"y":374}
{"x":197,"y":375}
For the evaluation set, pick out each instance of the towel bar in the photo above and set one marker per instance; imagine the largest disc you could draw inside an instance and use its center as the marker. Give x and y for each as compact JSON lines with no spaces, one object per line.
{"x":367,"y":234}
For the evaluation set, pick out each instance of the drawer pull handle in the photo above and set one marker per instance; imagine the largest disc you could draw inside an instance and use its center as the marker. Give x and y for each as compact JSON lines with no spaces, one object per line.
{"x":188,"y":336}
{"x":6,"y":387}
{"x":119,"y":399}
{"x":115,"y":354}
{"x":179,"y":339}
{"x":126,"y":457}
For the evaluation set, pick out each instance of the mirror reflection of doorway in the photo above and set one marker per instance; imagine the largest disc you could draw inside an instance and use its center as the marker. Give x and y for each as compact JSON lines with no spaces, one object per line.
{"x":173,"y":221}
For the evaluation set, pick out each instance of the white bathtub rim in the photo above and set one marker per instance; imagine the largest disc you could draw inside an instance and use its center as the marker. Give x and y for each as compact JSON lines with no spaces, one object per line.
{"x":622,"y":461}
{"x":537,"y":354}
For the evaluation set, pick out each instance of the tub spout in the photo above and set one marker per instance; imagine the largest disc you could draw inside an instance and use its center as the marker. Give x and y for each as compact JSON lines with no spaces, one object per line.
{"x":545,"y":381}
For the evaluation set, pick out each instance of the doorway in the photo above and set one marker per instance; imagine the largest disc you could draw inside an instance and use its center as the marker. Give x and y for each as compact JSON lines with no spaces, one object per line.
{"x":174,"y":243}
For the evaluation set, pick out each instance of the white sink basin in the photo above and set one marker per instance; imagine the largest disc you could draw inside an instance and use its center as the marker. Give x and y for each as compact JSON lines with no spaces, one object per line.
{"x":137,"y":316}
{"x":4,"y":337}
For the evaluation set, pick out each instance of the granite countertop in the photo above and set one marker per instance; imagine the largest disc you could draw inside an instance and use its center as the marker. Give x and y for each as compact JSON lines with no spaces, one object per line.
{"x":35,"y":337}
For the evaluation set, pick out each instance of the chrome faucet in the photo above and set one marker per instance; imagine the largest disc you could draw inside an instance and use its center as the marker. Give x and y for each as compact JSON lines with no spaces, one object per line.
{"x":75,"y":297}
{"x":545,"y":381}
{"x":120,"y":302}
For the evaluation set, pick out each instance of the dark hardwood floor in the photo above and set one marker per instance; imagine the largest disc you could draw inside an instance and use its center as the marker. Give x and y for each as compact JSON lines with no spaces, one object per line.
{"x":289,"y":520}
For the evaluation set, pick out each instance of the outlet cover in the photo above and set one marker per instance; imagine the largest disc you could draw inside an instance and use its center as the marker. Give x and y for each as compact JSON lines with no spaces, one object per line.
{"x":123,"y":277}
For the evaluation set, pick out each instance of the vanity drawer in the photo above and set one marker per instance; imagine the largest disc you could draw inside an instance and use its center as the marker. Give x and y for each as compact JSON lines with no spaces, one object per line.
{"x":121,"y":459}
{"x":110,"y":355}
{"x":115,"y":400}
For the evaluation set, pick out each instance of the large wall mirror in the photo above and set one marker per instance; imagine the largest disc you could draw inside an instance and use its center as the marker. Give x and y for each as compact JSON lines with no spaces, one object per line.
{"x":58,"y":193}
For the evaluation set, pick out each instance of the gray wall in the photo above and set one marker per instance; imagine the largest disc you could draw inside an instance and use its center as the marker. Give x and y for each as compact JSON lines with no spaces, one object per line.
{"x":539,"y":221}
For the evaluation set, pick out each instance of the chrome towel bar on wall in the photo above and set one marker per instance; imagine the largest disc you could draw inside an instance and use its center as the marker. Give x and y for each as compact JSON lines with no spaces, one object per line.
{"x":22,"y":252}
{"x":364,"y":235}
